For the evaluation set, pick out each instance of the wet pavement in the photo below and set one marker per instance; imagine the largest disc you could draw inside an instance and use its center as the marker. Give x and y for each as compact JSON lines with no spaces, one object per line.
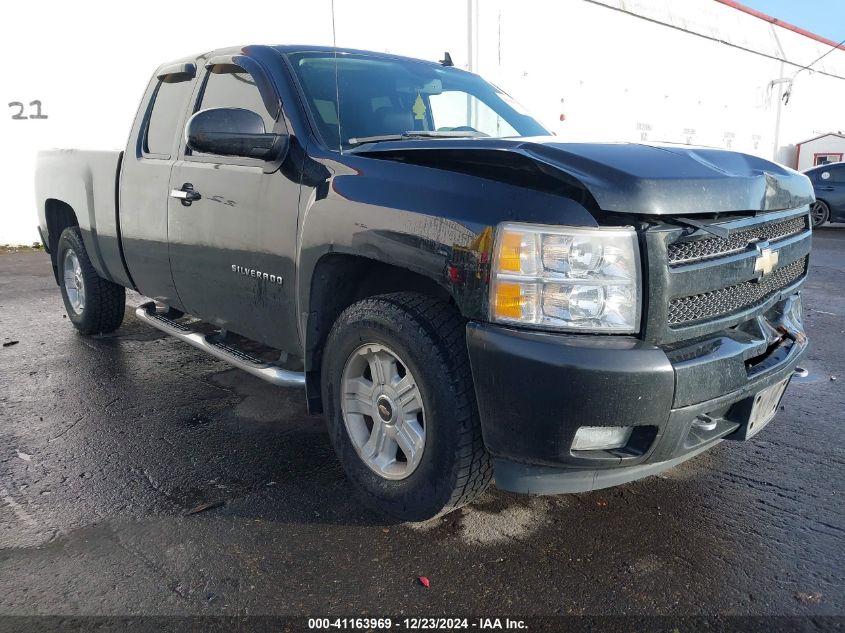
{"x":108,"y":443}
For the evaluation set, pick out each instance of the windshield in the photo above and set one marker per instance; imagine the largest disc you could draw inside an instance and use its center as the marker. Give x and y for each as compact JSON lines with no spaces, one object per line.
{"x":392,"y":97}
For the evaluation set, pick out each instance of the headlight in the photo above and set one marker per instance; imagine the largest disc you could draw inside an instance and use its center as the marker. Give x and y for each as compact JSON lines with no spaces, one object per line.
{"x":566,"y":278}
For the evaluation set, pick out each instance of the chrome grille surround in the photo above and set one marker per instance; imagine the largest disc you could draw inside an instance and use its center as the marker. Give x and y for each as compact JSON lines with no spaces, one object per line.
{"x":683,"y":252}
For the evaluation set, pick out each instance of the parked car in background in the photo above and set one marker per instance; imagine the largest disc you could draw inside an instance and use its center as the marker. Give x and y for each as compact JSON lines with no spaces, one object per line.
{"x":829,"y":185}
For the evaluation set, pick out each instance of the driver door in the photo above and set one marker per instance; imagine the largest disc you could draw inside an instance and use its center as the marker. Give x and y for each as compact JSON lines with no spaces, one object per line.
{"x":232,"y":249}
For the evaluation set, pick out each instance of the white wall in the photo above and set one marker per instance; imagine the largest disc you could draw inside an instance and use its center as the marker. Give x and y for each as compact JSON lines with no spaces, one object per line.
{"x":679,"y":76}
{"x":89,"y":62}
{"x":620,"y":77}
{"x":830,"y":144}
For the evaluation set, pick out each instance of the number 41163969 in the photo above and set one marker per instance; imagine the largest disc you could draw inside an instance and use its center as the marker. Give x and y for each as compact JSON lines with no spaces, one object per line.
{"x":20,"y":116}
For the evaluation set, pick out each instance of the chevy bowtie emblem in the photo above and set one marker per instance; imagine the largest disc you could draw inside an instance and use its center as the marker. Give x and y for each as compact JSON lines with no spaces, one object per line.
{"x":766,"y":261}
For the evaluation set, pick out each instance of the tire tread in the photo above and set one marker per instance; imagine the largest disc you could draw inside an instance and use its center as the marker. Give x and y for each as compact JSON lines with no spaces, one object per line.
{"x":105,"y":301}
{"x":430,"y":318}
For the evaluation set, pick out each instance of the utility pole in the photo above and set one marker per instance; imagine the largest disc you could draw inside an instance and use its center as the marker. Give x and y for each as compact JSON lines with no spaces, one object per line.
{"x":777,"y":115}
{"x":470,"y":54}
{"x":470,"y":28}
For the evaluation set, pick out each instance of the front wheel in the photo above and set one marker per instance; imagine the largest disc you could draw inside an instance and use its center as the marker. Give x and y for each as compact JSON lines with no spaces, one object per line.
{"x":400,"y":406}
{"x":94,"y":305}
{"x":820,"y":213}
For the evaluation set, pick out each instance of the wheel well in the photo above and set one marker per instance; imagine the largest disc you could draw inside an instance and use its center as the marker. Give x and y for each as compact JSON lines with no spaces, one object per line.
{"x":59,"y":216}
{"x":338,"y":282}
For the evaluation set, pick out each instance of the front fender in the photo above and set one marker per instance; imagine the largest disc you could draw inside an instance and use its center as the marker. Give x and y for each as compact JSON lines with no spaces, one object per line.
{"x":433,"y":222}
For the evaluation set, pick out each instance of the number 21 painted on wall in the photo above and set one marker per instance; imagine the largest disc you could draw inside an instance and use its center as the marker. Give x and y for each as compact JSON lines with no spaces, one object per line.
{"x":20,"y":116}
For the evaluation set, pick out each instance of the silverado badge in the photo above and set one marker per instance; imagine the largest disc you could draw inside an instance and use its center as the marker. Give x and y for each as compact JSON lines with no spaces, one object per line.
{"x":257,"y":274}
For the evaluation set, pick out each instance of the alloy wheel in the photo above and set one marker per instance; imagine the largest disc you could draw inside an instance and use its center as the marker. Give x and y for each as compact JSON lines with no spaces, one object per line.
{"x":818,"y":213}
{"x":383,"y":411}
{"x":74,"y":282}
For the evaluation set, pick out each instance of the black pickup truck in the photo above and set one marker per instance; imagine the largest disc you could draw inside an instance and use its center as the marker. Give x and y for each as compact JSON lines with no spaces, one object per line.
{"x":461,"y":294}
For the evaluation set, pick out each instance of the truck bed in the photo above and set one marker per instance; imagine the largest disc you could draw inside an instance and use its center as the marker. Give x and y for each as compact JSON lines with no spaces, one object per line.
{"x":86,"y":180}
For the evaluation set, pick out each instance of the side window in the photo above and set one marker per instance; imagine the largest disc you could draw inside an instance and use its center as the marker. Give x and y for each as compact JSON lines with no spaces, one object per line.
{"x":169,"y":101}
{"x":837,"y":175}
{"x":234,"y":90}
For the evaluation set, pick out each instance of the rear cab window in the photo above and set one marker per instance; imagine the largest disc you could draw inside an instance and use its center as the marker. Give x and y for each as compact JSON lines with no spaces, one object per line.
{"x":168,"y":103}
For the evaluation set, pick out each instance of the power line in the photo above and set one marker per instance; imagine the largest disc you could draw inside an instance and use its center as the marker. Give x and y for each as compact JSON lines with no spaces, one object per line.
{"x":788,"y":92}
{"x":818,"y":59}
{"x":601,"y":4}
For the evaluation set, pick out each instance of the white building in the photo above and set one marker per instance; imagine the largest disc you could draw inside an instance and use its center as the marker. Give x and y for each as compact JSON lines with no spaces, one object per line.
{"x":820,"y":150}
{"x":706,"y":72}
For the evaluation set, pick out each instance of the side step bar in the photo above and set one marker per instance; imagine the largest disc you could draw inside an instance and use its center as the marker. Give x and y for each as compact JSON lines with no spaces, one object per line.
{"x":257,"y":367}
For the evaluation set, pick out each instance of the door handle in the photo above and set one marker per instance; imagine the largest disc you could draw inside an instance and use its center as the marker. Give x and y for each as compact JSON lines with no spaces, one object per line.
{"x":825,"y":188}
{"x":186,"y":194}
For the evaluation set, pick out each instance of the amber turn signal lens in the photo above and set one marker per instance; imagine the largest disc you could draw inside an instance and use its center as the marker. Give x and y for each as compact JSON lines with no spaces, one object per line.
{"x":508,"y":303}
{"x":510,"y":252}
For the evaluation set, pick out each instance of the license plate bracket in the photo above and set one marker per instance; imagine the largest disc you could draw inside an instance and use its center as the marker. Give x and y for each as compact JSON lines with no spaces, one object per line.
{"x":759,"y":410}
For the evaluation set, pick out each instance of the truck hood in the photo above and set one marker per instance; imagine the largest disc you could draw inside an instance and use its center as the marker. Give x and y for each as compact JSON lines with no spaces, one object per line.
{"x":619,"y":177}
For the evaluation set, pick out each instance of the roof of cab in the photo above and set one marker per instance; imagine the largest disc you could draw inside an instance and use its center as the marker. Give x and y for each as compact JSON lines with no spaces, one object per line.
{"x":286,"y":49}
{"x":310,"y":48}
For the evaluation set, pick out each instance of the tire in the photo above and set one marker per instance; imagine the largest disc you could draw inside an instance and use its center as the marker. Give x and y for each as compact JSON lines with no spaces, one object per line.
{"x":820,"y":213}
{"x":427,"y":338}
{"x":94,"y":305}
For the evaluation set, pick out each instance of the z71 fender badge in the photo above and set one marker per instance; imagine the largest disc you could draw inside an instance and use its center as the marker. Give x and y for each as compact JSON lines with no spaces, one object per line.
{"x":257,"y":274}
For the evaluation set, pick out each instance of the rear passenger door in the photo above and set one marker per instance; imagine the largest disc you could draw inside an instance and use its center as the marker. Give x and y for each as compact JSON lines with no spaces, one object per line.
{"x":145,"y":178}
{"x":232,"y":251}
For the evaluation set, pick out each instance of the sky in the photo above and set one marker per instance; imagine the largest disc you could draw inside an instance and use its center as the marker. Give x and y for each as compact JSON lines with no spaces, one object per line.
{"x":824,"y":17}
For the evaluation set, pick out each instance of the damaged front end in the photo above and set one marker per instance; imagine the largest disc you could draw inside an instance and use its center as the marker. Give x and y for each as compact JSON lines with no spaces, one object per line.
{"x":618,"y":178}
{"x":721,"y":336}
{"x":727,"y":312}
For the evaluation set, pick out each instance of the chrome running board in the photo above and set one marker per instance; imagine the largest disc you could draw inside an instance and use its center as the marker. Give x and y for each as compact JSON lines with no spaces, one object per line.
{"x":208,"y":343}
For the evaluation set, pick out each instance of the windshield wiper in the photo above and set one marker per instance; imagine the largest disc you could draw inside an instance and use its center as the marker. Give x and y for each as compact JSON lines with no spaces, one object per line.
{"x":713,"y":229}
{"x":362,"y":140}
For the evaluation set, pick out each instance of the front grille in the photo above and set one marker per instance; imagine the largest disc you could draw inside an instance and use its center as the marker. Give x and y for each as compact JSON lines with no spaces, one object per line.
{"x":726,"y":301}
{"x":708,"y":248}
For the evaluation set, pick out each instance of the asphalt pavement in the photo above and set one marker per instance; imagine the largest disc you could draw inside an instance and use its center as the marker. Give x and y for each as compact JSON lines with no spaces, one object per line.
{"x":141,"y":476}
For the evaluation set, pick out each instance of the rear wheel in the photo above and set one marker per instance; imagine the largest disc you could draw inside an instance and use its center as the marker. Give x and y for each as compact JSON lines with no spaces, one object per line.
{"x":820,"y":213}
{"x":400,"y":406}
{"x":94,"y":305}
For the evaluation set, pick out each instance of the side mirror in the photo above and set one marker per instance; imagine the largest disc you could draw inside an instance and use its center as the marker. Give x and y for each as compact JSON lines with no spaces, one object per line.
{"x":234,"y":132}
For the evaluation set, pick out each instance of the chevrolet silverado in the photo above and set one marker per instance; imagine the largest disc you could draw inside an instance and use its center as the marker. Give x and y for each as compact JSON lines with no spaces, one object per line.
{"x":461,"y":294}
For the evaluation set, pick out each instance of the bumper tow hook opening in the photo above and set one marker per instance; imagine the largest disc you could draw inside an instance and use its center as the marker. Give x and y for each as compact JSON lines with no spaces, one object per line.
{"x":704,"y":422}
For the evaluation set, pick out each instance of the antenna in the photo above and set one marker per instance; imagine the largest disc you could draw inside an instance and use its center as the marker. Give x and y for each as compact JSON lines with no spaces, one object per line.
{"x":447,"y":59}
{"x":336,"y":83}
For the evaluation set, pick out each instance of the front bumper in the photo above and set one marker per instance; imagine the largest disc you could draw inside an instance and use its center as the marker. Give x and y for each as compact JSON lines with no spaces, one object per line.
{"x":535,"y":390}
